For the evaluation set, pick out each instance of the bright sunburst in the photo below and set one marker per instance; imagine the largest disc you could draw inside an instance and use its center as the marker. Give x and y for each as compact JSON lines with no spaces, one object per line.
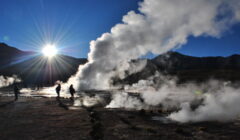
{"x":49,"y":50}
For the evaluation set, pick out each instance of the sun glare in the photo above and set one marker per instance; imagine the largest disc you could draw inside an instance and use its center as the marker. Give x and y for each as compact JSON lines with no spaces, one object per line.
{"x":49,"y":50}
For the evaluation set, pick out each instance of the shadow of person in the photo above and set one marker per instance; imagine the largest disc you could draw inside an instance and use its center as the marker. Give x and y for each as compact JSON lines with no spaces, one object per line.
{"x":61,"y":104}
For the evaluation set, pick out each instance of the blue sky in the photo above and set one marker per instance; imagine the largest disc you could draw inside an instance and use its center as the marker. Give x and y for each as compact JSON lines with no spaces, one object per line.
{"x":72,"y":24}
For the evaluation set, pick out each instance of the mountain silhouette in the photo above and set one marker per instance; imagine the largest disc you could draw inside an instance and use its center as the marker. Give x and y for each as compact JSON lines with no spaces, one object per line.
{"x":9,"y":55}
{"x":174,"y":61}
{"x":188,"y":68}
{"x":35,"y":69}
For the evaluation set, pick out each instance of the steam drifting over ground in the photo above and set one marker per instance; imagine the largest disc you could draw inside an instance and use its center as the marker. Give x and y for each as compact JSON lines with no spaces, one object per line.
{"x":222,"y":105}
{"x":211,"y":101}
{"x":6,"y":81}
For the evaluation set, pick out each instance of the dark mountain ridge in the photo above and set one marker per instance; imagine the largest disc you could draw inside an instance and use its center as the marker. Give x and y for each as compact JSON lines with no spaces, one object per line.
{"x":35,"y":69}
{"x":10,"y":54}
{"x":174,"y":61}
{"x":189,"y":68}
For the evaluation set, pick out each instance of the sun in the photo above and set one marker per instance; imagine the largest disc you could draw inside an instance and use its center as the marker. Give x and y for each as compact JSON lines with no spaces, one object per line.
{"x":49,"y":50}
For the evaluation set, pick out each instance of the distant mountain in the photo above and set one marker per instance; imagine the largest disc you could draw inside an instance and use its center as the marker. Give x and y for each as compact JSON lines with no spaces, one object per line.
{"x":10,"y":54}
{"x":173,"y":61}
{"x":189,"y":68}
{"x":35,"y":69}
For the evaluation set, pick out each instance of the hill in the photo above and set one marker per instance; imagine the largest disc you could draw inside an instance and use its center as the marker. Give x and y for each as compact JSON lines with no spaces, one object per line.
{"x":9,"y":55}
{"x":188,"y":68}
{"x":35,"y":69}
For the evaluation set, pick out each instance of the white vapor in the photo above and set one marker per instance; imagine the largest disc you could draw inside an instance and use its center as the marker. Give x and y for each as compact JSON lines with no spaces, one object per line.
{"x":160,"y":26}
{"x":123,"y":100}
{"x":223,"y":105}
{"x":6,"y":81}
{"x":210,"y":101}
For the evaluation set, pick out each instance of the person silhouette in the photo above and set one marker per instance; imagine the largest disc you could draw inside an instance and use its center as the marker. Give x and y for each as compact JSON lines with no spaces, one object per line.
{"x":58,"y":89}
{"x":72,"y":91}
{"x":16,"y":92}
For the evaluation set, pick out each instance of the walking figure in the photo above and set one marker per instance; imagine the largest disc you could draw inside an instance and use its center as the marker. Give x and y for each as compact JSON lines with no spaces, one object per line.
{"x":16,"y":92}
{"x":58,"y":89}
{"x":72,"y":91}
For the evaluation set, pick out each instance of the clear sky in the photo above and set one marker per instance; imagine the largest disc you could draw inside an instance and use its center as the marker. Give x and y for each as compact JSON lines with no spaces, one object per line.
{"x":72,"y":24}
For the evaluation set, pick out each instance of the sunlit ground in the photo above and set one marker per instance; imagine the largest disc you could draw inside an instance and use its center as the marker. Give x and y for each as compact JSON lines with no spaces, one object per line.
{"x":81,"y":98}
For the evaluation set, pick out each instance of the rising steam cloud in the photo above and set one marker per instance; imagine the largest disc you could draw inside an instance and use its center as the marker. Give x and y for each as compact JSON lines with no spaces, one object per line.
{"x":6,"y":81}
{"x":160,"y":26}
{"x":220,"y":105}
{"x":210,"y":101}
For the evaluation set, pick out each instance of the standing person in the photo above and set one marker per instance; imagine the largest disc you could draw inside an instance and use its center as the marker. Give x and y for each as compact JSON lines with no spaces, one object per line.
{"x":72,"y":91}
{"x":16,"y":92}
{"x":58,"y":89}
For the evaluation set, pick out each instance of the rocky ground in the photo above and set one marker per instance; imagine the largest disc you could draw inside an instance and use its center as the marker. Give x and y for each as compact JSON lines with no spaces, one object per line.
{"x":47,"y":118}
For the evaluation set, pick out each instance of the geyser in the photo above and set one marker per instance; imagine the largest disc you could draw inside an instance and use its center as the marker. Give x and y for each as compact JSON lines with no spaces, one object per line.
{"x":160,"y":26}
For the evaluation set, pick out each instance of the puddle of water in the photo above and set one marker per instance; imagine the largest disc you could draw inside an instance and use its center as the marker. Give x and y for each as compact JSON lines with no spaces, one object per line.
{"x":74,"y":107}
{"x":162,"y":119}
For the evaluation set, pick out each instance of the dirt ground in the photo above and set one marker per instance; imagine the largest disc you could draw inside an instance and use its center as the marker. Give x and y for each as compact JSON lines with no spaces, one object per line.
{"x":47,"y":118}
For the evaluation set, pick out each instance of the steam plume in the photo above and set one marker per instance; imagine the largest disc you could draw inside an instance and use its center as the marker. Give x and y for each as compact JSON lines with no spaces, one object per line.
{"x":213,"y":100}
{"x":223,"y":105}
{"x":160,"y":26}
{"x":123,"y":100}
{"x":6,"y":81}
